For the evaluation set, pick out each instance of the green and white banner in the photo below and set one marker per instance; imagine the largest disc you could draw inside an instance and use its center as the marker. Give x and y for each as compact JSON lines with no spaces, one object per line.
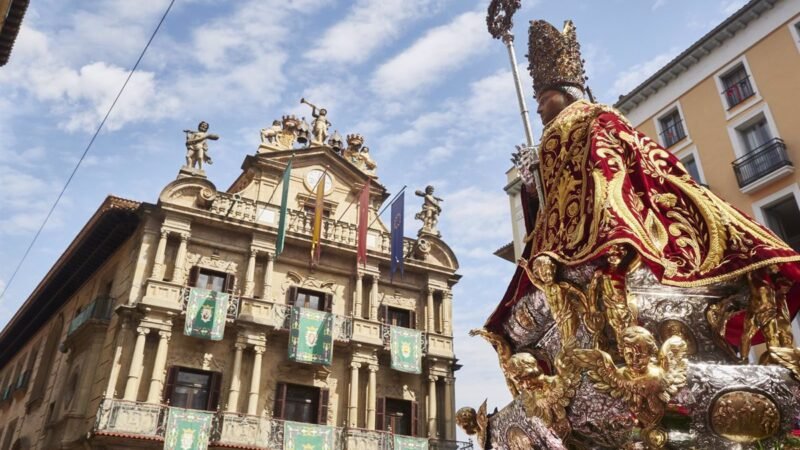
{"x":303,"y":436}
{"x":311,"y":336}
{"x":409,"y":443}
{"x":205,"y":314}
{"x":406,"y":346}
{"x":187,"y":429}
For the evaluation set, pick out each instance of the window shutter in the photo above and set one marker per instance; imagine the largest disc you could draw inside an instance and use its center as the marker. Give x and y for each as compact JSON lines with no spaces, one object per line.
{"x":291,"y":295}
{"x":230,"y":281}
{"x":172,"y":374}
{"x":194,"y":273}
{"x":322,"y":408}
{"x":328,"y":302}
{"x":412,"y":320}
{"x":214,"y":389}
{"x":414,"y":419}
{"x":280,"y":401}
{"x":380,"y":414}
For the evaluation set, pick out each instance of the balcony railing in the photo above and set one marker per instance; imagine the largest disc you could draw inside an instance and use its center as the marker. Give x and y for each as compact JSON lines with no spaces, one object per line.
{"x":386,"y":334}
{"x":131,"y":418}
{"x":761,"y":162}
{"x":673,"y":134}
{"x":99,"y":309}
{"x":342,"y":325}
{"x":134,"y":419}
{"x":738,"y":92}
{"x":233,"y":303}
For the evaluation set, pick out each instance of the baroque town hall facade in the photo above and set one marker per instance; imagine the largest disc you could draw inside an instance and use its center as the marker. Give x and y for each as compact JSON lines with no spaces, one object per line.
{"x":98,"y":354}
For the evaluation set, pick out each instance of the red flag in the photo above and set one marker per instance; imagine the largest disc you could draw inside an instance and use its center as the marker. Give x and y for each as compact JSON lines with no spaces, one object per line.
{"x":363,"y":224}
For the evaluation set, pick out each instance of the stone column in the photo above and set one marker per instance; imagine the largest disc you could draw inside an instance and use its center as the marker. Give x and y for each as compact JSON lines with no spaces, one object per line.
{"x":158,"y":265}
{"x":449,"y":408}
{"x":432,"y":407}
{"x":352,"y":406}
{"x":357,"y":309}
{"x":373,"y":298}
{"x":255,"y":381}
{"x":159,"y":367}
{"x":116,"y":362}
{"x":430,"y":312}
{"x":135,"y":371}
{"x":447,"y":313}
{"x":268,"y":278}
{"x":236,"y":382}
{"x":179,"y":274}
{"x":249,"y":279}
{"x":371,"y":395}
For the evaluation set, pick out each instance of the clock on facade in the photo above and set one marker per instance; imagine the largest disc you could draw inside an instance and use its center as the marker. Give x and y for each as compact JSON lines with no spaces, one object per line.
{"x":313,"y":176}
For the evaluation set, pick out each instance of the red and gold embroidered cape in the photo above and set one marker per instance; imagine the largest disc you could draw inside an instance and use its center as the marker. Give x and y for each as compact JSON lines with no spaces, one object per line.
{"x":606,"y":183}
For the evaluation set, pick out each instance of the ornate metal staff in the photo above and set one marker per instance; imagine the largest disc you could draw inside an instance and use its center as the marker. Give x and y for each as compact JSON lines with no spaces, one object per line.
{"x":499,"y":23}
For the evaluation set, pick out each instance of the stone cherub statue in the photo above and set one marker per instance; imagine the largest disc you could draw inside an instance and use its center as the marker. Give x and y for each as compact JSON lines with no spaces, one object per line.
{"x":430,"y":211}
{"x":319,"y":127}
{"x":474,"y":422}
{"x":648,"y":380}
{"x":197,"y":146}
{"x":270,"y":135}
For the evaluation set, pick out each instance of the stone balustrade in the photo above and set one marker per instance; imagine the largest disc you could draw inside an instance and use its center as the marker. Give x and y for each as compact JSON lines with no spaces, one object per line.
{"x":130,"y":418}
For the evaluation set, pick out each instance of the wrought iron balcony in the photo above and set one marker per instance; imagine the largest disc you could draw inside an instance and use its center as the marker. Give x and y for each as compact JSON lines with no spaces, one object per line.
{"x":673,"y":134}
{"x":761,"y":162}
{"x":128,"y":418}
{"x":99,"y":309}
{"x":233,"y":303}
{"x":738,"y":92}
{"x":342,"y":325}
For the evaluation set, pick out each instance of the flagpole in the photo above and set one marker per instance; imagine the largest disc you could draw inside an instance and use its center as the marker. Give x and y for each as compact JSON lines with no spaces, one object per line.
{"x":388,"y":205}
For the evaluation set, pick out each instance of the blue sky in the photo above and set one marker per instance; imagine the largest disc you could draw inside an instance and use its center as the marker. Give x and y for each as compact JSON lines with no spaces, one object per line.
{"x":422,"y":80}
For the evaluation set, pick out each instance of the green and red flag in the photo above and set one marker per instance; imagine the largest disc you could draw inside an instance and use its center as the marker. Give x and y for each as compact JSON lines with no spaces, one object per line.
{"x":279,"y":243}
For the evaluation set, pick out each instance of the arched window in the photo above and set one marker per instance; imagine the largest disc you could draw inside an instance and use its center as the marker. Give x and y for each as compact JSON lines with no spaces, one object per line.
{"x":48,"y":355}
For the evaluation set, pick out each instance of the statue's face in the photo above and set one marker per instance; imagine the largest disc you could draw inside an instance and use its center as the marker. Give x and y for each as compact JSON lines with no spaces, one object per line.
{"x":551,"y":102}
{"x":323,"y":111}
{"x":545,"y":269}
{"x":637,"y":356}
{"x":203,"y":126}
{"x":429,"y":190}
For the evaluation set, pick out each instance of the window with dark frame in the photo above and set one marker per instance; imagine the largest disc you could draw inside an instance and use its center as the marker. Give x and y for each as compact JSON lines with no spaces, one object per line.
{"x":212,"y":280}
{"x":299,"y":403}
{"x":398,"y":317}
{"x":783,"y":217}
{"x":193,"y":388}
{"x":756,"y":135}
{"x":399,"y":416}
{"x":737,"y":86}
{"x":672,"y":130}
{"x":690,"y":164}
{"x":309,"y":298}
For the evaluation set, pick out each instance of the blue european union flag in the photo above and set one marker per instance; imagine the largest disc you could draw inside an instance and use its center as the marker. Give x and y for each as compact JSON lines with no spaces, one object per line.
{"x":397,"y":234}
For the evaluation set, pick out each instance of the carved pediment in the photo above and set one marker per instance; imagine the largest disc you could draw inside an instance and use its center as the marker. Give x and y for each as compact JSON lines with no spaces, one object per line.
{"x":433,"y":250}
{"x":310,"y":282}
{"x":192,"y":192}
{"x":397,"y":300}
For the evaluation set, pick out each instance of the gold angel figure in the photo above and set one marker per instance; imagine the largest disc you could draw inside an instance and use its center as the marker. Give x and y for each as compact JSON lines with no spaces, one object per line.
{"x":648,"y":380}
{"x":504,"y":353}
{"x":609,"y":284}
{"x":563,"y":299}
{"x":474,"y":422}
{"x":547,"y":396}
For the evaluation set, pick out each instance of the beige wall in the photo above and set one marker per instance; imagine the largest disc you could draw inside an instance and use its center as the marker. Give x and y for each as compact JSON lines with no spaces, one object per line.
{"x":774,"y":64}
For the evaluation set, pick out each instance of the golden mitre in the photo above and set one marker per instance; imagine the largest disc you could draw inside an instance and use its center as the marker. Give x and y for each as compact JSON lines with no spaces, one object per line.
{"x":554,"y":57}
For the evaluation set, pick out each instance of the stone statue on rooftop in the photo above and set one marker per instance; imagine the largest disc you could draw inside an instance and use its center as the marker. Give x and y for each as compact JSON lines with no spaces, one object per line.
{"x":197,"y":146}
{"x":430,"y":211}
{"x":319,"y":127}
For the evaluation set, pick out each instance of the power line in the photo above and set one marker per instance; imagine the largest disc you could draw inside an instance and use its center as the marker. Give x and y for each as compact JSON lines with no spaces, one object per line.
{"x":86,"y":151}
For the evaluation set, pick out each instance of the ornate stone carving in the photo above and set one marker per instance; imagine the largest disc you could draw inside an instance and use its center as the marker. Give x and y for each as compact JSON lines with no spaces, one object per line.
{"x":320,"y":125}
{"x":297,"y":279}
{"x":284,"y":133}
{"x":429,"y":215}
{"x":398,"y":301}
{"x":197,"y":146}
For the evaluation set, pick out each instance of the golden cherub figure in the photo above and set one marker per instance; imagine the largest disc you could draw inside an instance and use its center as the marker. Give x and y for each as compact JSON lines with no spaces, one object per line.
{"x":560,"y":296}
{"x":648,"y":380}
{"x":767,"y":311}
{"x":609,"y":284}
{"x":547,"y":396}
{"x":474,"y":422}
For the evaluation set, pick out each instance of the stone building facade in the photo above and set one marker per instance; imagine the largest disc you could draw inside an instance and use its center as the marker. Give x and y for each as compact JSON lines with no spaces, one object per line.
{"x":97,"y":353}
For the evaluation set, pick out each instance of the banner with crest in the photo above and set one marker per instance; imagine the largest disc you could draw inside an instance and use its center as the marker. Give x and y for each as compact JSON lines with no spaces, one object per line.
{"x":311,"y":336}
{"x":406,"y":349}
{"x":304,"y":436}
{"x":187,"y":429}
{"x":409,"y":443}
{"x":206,"y":312}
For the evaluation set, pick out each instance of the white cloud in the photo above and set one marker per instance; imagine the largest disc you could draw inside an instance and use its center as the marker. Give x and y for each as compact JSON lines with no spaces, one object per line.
{"x":369,"y":26}
{"x":634,"y":75}
{"x":475,"y":214}
{"x":731,"y":6}
{"x":440,"y":51}
{"x":658,"y":4}
{"x":26,"y":201}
